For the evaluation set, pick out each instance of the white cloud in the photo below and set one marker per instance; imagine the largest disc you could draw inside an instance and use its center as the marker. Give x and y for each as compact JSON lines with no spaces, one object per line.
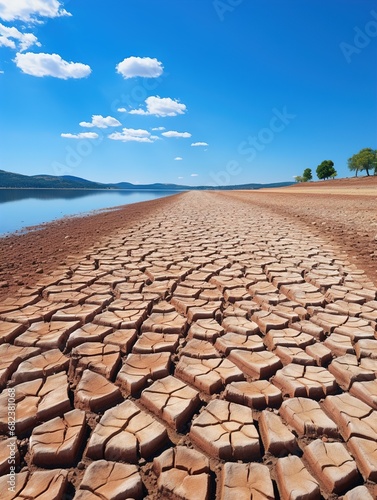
{"x":133,"y":135}
{"x":174,"y":133}
{"x":161,"y":106}
{"x":6,"y":42}
{"x":158,"y":128}
{"x":101,"y":122}
{"x":178,"y":158}
{"x":194,"y":175}
{"x":13,"y":38}
{"x":1,"y":72}
{"x":50,"y":65}
{"x":180,"y":177}
{"x":199,"y":144}
{"x":122,"y":110}
{"x":140,"y":66}
{"x":81,"y":135}
{"x":31,"y":10}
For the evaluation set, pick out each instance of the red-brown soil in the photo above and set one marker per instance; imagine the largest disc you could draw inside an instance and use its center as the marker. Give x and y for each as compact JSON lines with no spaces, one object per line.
{"x":206,"y":346}
{"x":349,"y":219}
{"x":25,"y":258}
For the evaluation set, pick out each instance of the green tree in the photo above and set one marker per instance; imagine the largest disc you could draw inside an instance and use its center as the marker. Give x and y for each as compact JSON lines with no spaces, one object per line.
{"x":307,"y":175}
{"x":365,"y":159}
{"x":353,"y":164}
{"x":299,"y":178}
{"x":326,"y":170}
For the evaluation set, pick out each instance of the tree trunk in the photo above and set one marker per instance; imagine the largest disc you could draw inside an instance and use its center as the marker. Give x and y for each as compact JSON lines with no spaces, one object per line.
{"x":357,"y":170}
{"x":367,"y":172}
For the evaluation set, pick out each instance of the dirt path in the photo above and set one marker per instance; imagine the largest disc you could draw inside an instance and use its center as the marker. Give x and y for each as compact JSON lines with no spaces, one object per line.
{"x":207,"y":345}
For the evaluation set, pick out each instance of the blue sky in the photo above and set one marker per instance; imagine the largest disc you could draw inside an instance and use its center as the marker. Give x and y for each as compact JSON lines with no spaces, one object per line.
{"x":190,"y":91}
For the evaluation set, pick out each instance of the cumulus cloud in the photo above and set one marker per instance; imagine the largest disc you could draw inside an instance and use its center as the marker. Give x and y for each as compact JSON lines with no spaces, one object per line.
{"x":6,"y":42}
{"x":140,"y":66}
{"x":101,"y":122}
{"x":161,"y":106}
{"x":178,"y":158}
{"x":174,"y":133}
{"x":199,"y":144}
{"x":13,"y":38}
{"x":133,"y":135}
{"x":50,"y":65}
{"x":122,"y":110}
{"x":81,"y":135}
{"x":194,"y":175}
{"x":158,"y":128}
{"x":31,"y":10}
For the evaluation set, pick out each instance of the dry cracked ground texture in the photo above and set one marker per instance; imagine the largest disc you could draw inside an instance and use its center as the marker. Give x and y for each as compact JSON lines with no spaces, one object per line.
{"x":213,"y":350}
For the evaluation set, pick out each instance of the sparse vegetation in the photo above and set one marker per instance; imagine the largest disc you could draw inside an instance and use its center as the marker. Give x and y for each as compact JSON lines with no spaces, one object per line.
{"x":305,"y":177}
{"x":365,"y":159}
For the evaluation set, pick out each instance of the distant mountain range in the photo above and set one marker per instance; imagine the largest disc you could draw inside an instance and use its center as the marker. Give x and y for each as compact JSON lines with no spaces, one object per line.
{"x":13,"y":180}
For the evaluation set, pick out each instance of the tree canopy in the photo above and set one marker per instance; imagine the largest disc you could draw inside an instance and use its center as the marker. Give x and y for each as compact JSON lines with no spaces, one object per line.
{"x":326,"y":170}
{"x":307,"y":175}
{"x":365,"y":159}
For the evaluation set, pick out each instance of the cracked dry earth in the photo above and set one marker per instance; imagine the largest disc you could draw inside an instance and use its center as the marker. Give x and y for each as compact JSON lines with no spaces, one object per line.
{"x":215,"y":351}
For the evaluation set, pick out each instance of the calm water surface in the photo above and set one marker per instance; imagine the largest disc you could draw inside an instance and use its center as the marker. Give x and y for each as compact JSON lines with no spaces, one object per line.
{"x":20,"y":208}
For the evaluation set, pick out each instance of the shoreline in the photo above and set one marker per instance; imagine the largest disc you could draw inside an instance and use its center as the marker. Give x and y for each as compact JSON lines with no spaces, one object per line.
{"x":93,"y":189}
{"x":25,"y":257}
{"x":51,"y":205}
{"x":80,"y":215}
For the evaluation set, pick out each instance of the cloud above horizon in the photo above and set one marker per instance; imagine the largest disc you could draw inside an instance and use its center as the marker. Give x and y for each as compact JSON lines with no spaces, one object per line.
{"x":196,"y":144}
{"x":146,"y":67}
{"x":174,"y":133}
{"x":31,"y":10}
{"x":41,"y":65}
{"x":100,"y":121}
{"x":161,"y":106}
{"x":81,"y":135}
{"x":133,"y":135}
{"x":178,"y":158}
{"x":194,"y":175}
{"x":13,"y":38}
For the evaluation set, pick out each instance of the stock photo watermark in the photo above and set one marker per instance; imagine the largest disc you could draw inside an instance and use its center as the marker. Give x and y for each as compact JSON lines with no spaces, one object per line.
{"x":12,"y":446}
{"x":223,"y":7}
{"x":138,"y":94}
{"x":361,"y":39}
{"x":74,"y":155}
{"x":254,"y":144}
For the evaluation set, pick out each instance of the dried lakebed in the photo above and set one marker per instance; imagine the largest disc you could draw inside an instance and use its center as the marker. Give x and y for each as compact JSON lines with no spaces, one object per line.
{"x":212,"y":350}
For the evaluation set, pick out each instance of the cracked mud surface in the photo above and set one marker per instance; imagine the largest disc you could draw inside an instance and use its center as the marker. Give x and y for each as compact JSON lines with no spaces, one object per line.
{"x":210,"y":349}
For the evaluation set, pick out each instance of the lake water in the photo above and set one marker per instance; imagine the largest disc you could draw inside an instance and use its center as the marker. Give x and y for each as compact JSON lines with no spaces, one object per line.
{"x":20,"y":208}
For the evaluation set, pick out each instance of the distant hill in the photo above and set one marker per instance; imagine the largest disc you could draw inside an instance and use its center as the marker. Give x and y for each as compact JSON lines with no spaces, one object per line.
{"x":13,"y":180}
{"x":155,"y":187}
